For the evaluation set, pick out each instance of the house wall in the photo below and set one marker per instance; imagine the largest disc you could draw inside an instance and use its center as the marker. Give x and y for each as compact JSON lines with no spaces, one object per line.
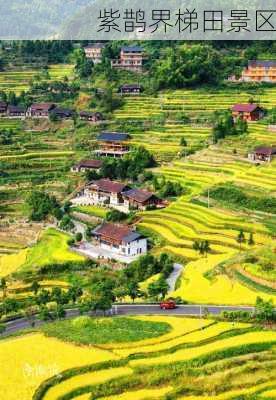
{"x":128,"y":249}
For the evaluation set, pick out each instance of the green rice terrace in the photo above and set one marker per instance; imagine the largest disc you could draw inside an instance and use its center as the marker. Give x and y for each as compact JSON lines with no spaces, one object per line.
{"x":41,"y":156}
{"x":18,"y":81}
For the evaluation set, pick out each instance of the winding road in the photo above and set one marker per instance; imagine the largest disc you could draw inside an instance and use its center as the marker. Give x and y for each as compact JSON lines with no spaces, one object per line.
{"x":136,"y":309}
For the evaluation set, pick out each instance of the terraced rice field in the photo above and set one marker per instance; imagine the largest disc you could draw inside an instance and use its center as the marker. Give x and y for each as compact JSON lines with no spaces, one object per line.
{"x":18,"y":81}
{"x":198,"y":359}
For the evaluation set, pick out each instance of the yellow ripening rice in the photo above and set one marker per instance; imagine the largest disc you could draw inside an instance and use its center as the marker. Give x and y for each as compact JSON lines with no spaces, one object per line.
{"x":25,"y":362}
{"x":188,"y":354}
{"x":269,"y":393}
{"x":197,"y":335}
{"x":90,"y":378}
{"x":10,"y":263}
{"x":196,"y":288}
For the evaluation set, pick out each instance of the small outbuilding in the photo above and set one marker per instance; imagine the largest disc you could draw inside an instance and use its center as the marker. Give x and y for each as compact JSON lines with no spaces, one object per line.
{"x":130,"y":89}
{"x":263,"y":153}
{"x":16,"y":111}
{"x":91,"y":116}
{"x":87,"y":165}
{"x":247,"y":112}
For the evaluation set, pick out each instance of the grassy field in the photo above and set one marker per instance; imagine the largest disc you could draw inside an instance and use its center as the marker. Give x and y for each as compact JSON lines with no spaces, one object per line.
{"x":197,"y":359}
{"x":18,"y":81}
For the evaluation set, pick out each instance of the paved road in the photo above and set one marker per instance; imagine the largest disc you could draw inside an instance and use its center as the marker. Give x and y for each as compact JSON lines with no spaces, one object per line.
{"x":136,"y":309}
{"x":171,"y":280}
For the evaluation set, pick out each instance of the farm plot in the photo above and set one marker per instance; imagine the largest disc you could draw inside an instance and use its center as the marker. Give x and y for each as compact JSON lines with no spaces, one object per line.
{"x":18,"y":81}
{"x":194,"y":363}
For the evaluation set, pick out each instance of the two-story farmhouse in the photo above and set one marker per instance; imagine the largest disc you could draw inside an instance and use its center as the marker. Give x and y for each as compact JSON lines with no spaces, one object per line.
{"x":113,"y":144}
{"x":260,"y":71}
{"x":40,"y":110}
{"x":94,"y":52}
{"x":131,"y":59}
{"x":140,"y":199}
{"x":263,"y":153}
{"x":101,"y":192}
{"x":247,"y":112}
{"x":87,"y":165}
{"x":120,"y":239}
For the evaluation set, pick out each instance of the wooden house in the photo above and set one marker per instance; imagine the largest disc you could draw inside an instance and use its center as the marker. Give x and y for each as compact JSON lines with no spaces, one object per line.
{"x":91,"y":116}
{"x":140,"y":199}
{"x":113,"y":144}
{"x":16,"y":111}
{"x":40,"y":110}
{"x":87,"y":165}
{"x":101,"y":192}
{"x":62,"y":113}
{"x":247,"y":112}
{"x":260,"y":71}
{"x":263,"y":153}
{"x":130,"y":89}
{"x":94,"y":52}
{"x":120,"y":239}
{"x":3,"y":108}
{"x":131,"y":59}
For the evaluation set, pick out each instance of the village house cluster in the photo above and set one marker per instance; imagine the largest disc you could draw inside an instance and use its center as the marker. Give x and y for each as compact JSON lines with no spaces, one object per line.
{"x":45,"y":110}
{"x":108,"y":193}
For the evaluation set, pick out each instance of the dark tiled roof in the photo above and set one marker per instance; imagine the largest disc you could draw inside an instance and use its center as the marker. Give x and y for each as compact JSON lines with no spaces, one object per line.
{"x":245,"y":107}
{"x":16,"y":109}
{"x":113,"y":136}
{"x":138,"y":195}
{"x":91,"y":114}
{"x":262,"y":63}
{"x":107,"y":185}
{"x":267,"y":151}
{"x":116,"y":232}
{"x":90,"y":164}
{"x":3,"y":105}
{"x":42,"y":106}
{"x":62,"y":112}
{"x":131,"y":86}
{"x":132,"y":49}
{"x":95,"y":46}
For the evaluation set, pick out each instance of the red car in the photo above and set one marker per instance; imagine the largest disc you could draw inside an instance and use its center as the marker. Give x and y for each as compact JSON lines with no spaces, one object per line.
{"x":168,"y":305}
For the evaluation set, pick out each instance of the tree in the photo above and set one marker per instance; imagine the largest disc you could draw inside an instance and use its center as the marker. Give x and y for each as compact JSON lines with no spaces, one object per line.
{"x":59,"y":312}
{"x":44,"y":313}
{"x":74,"y":292}
{"x":251,"y":241}
{"x":206,"y":247}
{"x":41,"y":205}
{"x":159,"y":288}
{"x":35,"y":287}
{"x":264,"y":310}
{"x":78,"y":237}
{"x":133,"y":290}
{"x":56,"y":295}
{"x":66,"y":223}
{"x":183,"y":142}
{"x":240,"y":238}
{"x":30,"y":313}
{"x":43,"y":297}
{"x":3,"y":287}
{"x":2,"y":328}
